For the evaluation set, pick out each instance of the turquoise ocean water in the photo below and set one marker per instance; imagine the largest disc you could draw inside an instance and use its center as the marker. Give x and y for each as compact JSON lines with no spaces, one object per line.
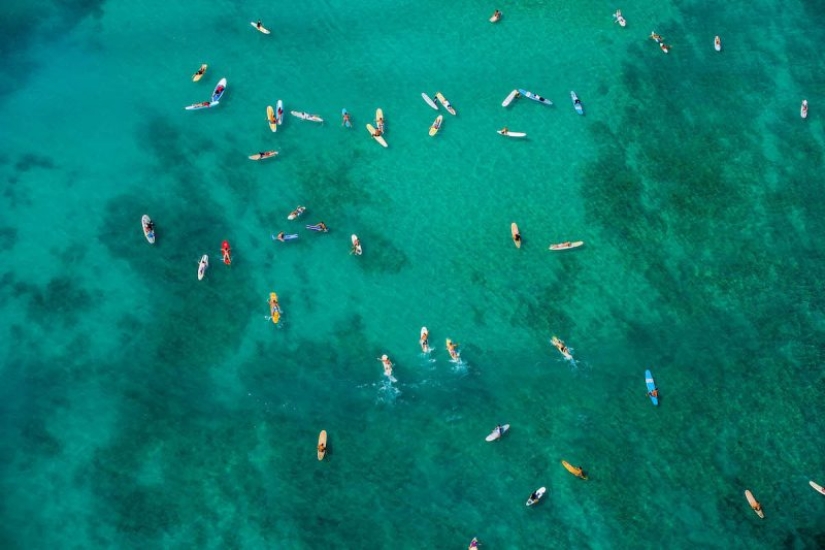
{"x":142,"y":408}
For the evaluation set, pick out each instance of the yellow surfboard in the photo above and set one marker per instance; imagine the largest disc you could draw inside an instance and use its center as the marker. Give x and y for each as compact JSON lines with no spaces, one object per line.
{"x":575,"y":470}
{"x":197,"y":76}
{"x":270,"y":117}
{"x":274,"y":308}
{"x":322,"y":445}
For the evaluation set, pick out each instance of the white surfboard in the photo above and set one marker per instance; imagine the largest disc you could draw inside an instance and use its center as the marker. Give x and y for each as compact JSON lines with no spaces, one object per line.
{"x":261,"y":28}
{"x":429,"y":101}
{"x":817,"y":487}
{"x":509,"y":99}
{"x":495,"y":433}
{"x":539,"y":494}
{"x":356,"y":244}
{"x":203,"y":264}
{"x":511,"y":134}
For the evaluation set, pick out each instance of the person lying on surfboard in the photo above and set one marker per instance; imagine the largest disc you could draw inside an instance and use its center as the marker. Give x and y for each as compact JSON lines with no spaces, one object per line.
{"x":451,"y":347}
{"x":345,"y":120}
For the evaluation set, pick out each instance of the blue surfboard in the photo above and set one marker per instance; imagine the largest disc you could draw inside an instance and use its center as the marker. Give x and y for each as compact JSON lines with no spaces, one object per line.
{"x":651,"y":385}
{"x":347,"y":123}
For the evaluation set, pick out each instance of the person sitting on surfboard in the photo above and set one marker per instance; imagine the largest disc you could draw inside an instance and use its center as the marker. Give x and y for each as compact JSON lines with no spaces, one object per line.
{"x":150,"y":226}
{"x":654,"y":393}
{"x":200,"y":71}
{"x":322,"y":448}
{"x":504,"y":130}
{"x":258,"y":24}
{"x":535,"y":496}
{"x":499,"y":430}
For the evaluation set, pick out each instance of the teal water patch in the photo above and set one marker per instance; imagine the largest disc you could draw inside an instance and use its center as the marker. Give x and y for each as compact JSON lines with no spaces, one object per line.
{"x":154,"y":410}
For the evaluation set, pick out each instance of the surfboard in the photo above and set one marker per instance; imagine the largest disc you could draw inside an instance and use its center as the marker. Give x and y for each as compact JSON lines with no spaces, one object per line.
{"x":379,"y":119}
{"x":263,"y":155}
{"x":274,"y":308}
{"x":429,"y":101}
{"x":322,"y":440}
{"x":717,"y":44}
{"x":423,"y":340}
{"x":356,"y":244}
{"x":279,"y":112}
{"x":436,"y":125}
{"x":379,"y":138}
{"x":803,"y":110}
{"x":515,"y":234}
{"x":508,"y":133}
{"x":651,"y":385}
{"x":539,"y":494}
{"x":297,"y":212}
{"x":754,"y":504}
{"x":345,"y":118}
{"x":270,"y":118}
{"x":817,"y":487}
{"x":145,"y":221}
{"x":575,"y":470}
{"x":509,"y":99}
{"x":261,"y":28}
{"x":494,"y":435}
{"x":445,"y":103}
{"x":203,"y":264}
{"x":226,"y":252}
{"x":565,"y":246}
{"x":452,"y":349}
{"x":200,"y":72}
{"x":496,"y":17}
{"x":201,"y":105}
{"x":559,"y":344}
{"x":306,"y":116}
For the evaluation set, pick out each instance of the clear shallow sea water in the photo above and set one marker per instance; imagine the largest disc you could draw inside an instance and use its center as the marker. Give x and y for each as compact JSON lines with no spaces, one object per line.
{"x":142,"y":408}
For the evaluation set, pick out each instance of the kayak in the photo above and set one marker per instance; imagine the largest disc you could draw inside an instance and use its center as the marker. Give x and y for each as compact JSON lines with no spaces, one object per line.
{"x":429,"y":101}
{"x":817,"y":487}
{"x":754,"y":504}
{"x":279,"y":112}
{"x":203,"y":264}
{"x":651,"y":387}
{"x":379,"y":120}
{"x":566,"y":245}
{"x":575,"y":470}
{"x":445,"y":103}
{"x":436,"y":125}
{"x":376,"y":136}
{"x":226,"y":251}
{"x":270,"y":117}
{"x":201,"y":105}
{"x":496,"y":433}
{"x":509,"y":99}
{"x":297,"y":212}
{"x":577,"y":104}
{"x":197,"y":76}
{"x":717,"y":44}
{"x":263,"y":155}
{"x":148,"y":228}
{"x":508,"y":133}
{"x":424,"y":340}
{"x":356,"y":245}
{"x":515,"y":234}
{"x":619,"y":19}
{"x":219,"y":90}
{"x":562,"y":348}
{"x":274,"y":308}
{"x":306,"y":116}
{"x":803,"y":111}
{"x":259,"y":27}
{"x":540,"y":493}
{"x":345,"y":117}
{"x":534,"y":97}
{"x":322,"y":445}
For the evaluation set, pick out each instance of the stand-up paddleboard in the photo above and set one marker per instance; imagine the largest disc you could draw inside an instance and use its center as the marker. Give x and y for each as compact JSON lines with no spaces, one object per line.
{"x":496,"y":433}
{"x":200,"y":72}
{"x":652,"y":390}
{"x":148,"y":228}
{"x":297,"y":212}
{"x":226,"y":252}
{"x":424,"y":340}
{"x":274,"y":308}
{"x":322,"y":445}
{"x":356,"y":245}
{"x":220,"y":89}
{"x":306,"y":116}
{"x":754,"y":504}
{"x":540,"y":493}
{"x":817,"y":487}
{"x":259,"y":27}
{"x":496,"y":17}
{"x":559,"y":344}
{"x":803,"y":110}
{"x":535,"y":97}
{"x":619,"y":18}
{"x":270,"y":117}
{"x":509,"y":99}
{"x":443,"y":100}
{"x":203,"y":264}
{"x":376,"y":135}
{"x":263,"y":155}
{"x":345,"y":121}
{"x":566,"y":245}
{"x":575,"y":470}
{"x":279,"y":112}
{"x":379,"y":119}
{"x":514,"y":233}
{"x":577,"y":104}
{"x":452,"y":349}
{"x":717,"y":44}
{"x":201,"y":105}
{"x":436,"y":125}
{"x":429,"y":101}
{"x":508,"y":133}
